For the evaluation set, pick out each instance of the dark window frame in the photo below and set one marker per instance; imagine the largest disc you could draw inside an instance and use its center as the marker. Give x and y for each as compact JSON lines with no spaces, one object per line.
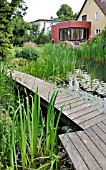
{"x":84,"y":17}
{"x":65,"y":34}
{"x":75,"y":37}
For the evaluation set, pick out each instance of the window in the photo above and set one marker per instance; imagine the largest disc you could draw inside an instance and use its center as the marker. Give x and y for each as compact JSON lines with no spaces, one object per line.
{"x":73,"y":34}
{"x":61,"y":34}
{"x":81,"y":34}
{"x":96,"y":15}
{"x":77,"y":34}
{"x":97,"y":31}
{"x":68,"y":32}
{"x":84,"y":18}
{"x":64,"y":34}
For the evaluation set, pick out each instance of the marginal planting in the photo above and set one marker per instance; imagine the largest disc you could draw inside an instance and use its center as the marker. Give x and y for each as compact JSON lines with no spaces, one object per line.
{"x":95,"y":50}
{"x":28,"y":140}
{"x":28,"y":53}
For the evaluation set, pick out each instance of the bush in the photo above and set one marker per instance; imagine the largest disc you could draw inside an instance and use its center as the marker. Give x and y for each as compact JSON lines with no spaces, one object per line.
{"x":28,"y":53}
{"x":42,"y":38}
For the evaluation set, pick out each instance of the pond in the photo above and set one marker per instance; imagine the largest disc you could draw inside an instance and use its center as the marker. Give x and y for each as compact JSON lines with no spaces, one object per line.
{"x":97,"y":69}
{"x":90,"y":83}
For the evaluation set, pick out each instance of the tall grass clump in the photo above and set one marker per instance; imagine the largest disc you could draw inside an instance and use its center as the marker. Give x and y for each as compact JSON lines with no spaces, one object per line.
{"x":6,"y":87}
{"x":95,"y":50}
{"x":7,"y":103}
{"x":28,"y":139}
{"x":54,"y":63}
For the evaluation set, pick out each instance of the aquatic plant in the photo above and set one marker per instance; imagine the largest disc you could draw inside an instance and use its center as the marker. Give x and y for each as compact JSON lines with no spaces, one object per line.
{"x":23,"y":133}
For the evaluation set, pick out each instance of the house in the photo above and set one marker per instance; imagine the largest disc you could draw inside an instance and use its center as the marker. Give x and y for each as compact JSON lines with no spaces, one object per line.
{"x":75,"y":31}
{"x":95,"y":12}
{"x":45,"y":24}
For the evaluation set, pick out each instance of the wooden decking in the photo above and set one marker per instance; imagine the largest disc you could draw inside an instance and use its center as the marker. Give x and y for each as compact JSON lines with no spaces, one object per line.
{"x":86,"y":148}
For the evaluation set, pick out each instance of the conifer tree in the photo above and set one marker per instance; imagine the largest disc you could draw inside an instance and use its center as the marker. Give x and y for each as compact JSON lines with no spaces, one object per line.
{"x":8,"y":10}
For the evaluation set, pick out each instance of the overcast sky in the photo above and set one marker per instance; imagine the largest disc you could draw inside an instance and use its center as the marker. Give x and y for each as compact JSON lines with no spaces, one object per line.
{"x":44,"y":9}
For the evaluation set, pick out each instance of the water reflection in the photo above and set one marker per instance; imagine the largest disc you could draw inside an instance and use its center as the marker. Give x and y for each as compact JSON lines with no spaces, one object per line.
{"x":97,"y":69}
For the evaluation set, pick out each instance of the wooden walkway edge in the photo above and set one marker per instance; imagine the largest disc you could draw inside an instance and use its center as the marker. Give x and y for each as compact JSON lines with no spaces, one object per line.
{"x":87,"y":147}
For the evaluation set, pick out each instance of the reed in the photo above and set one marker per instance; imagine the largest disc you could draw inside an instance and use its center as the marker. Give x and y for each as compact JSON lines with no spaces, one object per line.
{"x":53,"y":64}
{"x":51,"y":129}
{"x":94,"y":50}
{"x":23,"y":146}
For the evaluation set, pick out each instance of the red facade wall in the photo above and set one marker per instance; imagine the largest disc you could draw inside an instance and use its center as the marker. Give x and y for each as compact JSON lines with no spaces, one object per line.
{"x":67,"y":24}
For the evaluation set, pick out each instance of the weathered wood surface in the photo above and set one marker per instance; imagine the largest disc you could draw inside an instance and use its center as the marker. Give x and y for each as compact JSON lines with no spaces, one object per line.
{"x":75,"y":110}
{"x":87,"y":149}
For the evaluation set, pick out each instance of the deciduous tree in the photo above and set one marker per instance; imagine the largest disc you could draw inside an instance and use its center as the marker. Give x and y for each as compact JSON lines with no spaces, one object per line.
{"x":65,"y":13}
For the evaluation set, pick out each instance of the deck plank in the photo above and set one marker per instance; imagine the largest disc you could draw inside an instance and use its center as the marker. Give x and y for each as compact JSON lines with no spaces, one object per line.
{"x":93,"y":149}
{"x":97,"y":140}
{"x":86,"y":149}
{"x":84,"y":152}
{"x":101,"y":134}
{"x":73,"y":153}
{"x":92,"y":121}
{"x":102,"y":126}
{"x":75,"y":109}
{"x":70,"y":104}
{"x":83,"y":112}
{"x":86,"y":117}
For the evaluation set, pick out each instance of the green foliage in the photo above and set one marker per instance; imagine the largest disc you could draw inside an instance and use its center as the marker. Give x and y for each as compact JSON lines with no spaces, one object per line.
{"x":34,"y":31}
{"x":7,"y":12}
{"x":39,"y":37}
{"x":20,"y":31}
{"x":42,"y":38}
{"x":5,"y":29}
{"x":95,"y":50}
{"x":65,"y":13}
{"x":28,"y":53}
{"x":53,"y":65}
{"x":22,"y":135}
{"x":103,"y":42}
{"x":6,"y":87}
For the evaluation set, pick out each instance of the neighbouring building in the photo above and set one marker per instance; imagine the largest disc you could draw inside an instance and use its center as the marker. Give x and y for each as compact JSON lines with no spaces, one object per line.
{"x":71,"y":31}
{"x":45,"y":24}
{"x":94,"y":11}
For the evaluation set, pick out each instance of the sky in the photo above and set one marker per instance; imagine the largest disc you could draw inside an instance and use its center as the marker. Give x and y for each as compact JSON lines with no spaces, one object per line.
{"x":44,"y":9}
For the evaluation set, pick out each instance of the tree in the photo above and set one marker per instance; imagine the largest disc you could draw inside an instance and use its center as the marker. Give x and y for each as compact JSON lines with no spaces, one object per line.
{"x":34,"y":31}
{"x":8,"y":10}
{"x":65,"y":13}
{"x":5,"y":28}
{"x":20,"y":31}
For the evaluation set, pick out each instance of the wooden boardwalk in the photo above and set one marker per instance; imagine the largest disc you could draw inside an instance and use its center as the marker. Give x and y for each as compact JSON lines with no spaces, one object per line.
{"x":91,"y":140}
{"x":87,"y":149}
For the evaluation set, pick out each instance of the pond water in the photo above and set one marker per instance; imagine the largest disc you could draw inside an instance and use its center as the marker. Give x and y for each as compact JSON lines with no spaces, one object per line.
{"x":97,"y":69}
{"x":89,"y":89}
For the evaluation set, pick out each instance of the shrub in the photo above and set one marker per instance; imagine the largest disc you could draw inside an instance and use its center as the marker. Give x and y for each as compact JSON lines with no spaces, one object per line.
{"x":42,"y":38}
{"x":28,"y":53}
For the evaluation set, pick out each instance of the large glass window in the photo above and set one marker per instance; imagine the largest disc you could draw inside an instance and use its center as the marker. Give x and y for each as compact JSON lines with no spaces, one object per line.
{"x":73,"y":34}
{"x":81,"y":35}
{"x":68,"y":34}
{"x":64,"y":34}
{"x":77,"y":34}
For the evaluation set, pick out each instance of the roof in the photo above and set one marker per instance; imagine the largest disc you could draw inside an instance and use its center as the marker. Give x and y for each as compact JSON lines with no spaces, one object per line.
{"x":46,"y":20}
{"x":100,"y":3}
